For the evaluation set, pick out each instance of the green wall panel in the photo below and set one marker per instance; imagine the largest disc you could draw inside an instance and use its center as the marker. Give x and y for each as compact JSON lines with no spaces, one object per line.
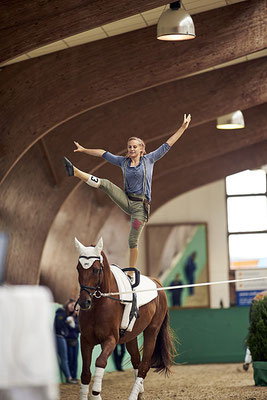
{"x":210,"y":335}
{"x":204,"y":335}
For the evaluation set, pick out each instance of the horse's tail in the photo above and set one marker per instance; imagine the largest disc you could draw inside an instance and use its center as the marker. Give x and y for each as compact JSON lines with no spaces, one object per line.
{"x":165,"y":351}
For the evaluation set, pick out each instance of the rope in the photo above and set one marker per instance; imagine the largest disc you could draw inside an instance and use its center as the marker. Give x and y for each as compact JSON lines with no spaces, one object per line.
{"x":184,"y":286}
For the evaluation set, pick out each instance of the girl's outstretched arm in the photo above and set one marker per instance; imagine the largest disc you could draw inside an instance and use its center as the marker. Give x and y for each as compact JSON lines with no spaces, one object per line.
{"x":90,"y":152}
{"x":173,"y":139}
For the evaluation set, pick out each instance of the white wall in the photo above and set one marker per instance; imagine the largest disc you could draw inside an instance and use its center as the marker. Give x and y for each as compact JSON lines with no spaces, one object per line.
{"x":205,"y":204}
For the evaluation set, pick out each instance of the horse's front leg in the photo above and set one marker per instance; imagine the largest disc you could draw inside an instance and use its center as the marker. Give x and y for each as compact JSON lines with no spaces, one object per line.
{"x":86,"y":350}
{"x":101,"y":362}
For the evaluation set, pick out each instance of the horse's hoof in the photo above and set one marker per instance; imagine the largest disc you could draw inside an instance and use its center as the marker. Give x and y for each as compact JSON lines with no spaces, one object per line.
{"x":141,"y":396}
{"x":246,"y":366}
{"x":95,"y":397}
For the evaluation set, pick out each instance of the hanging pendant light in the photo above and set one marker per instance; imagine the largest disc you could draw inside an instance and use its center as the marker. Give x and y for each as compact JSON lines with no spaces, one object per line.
{"x":234,"y":120}
{"x":175,"y":24}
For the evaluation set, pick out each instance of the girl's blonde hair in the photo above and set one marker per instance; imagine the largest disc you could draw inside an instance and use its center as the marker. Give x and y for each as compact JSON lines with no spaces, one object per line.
{"x":141,"y":142}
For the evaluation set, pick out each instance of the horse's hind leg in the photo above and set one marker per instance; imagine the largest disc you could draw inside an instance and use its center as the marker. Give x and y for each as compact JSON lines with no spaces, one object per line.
{"x":150,"y":336}
{"x":133,"y":350}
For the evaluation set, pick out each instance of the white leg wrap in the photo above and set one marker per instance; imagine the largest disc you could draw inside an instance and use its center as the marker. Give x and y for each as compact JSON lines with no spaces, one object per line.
{"x":248,"y":358}
{"x":84,"y":390}
{"x":97,"y":385}
{"x":93,"y":181}
{"x":141,"y":384}
{"x":137,"y":388}
{"x":97,"y":397}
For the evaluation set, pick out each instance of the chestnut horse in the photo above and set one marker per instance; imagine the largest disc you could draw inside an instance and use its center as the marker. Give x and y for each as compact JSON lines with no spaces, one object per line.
{"x":100,"y":318}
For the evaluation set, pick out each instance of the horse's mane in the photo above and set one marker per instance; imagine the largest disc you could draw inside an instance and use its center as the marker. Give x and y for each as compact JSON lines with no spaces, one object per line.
{"x":105,"y":261}
{"x":107,"y":270}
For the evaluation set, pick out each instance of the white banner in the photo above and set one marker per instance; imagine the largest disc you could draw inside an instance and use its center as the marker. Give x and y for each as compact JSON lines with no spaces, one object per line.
{"x":251,"y":285}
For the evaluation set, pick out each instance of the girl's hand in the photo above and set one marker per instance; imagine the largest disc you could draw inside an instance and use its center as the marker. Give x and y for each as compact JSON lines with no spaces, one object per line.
{"x":79,"y":147}
{"x":186,"y":122}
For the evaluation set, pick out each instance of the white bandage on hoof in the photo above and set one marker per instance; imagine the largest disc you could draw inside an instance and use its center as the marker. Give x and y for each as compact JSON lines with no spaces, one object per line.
{"x":248,"y":357}
{"x":97,"y":397}
{"x":137,"y":388}
{"x":97,"y":385}
{"x":93,"y":181}
{"x":135,"y":377}
{"x":84,"y":390}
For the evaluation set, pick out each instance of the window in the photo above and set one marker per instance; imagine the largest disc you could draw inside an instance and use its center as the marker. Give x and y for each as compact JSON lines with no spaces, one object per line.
{"x":247,"y":219}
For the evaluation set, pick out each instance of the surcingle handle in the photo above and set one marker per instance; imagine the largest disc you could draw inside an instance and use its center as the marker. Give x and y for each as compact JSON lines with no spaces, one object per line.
{"x":137,"y":275}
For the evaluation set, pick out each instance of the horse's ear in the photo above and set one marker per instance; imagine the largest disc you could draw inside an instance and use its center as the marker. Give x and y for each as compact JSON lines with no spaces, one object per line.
{"x":99,"y":246}
{"x":78,"y":245}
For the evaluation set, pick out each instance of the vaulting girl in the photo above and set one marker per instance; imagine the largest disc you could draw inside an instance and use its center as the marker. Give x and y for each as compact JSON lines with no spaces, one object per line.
{"x":137,"y":169}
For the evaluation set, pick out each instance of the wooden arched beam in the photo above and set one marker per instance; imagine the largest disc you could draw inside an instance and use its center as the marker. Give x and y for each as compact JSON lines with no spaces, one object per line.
{"x":28,"y":25}
{"x":95,"y":217}
{"x":42,"y":93}
{"x":181,"y":180}
{"x":150,"y":113}
{"x":199,"y":145}
{"x":29,"y":203}
{"x":206,"y":142}
{"x":176,"y":182}
{"x":157,"y":113}
{"x":27,"y":214}
{"x":62,"y":278}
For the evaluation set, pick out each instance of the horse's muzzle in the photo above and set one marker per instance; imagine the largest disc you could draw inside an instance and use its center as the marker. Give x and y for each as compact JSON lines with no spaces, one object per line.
{"x":85,"y":304}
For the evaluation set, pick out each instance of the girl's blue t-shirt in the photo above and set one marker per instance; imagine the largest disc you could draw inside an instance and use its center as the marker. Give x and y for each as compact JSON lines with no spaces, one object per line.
{"x":135,"y":175}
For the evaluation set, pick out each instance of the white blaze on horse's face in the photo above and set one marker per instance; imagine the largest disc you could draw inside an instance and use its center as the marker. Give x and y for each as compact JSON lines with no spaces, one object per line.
{"x":88,"y":255}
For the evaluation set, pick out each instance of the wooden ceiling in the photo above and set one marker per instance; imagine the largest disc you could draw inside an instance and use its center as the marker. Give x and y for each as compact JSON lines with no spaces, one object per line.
{"x":103,"y":92}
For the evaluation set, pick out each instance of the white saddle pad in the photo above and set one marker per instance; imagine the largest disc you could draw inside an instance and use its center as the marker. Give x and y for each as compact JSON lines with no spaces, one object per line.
{"x":124,"y":285}
{"x":145,"y":297}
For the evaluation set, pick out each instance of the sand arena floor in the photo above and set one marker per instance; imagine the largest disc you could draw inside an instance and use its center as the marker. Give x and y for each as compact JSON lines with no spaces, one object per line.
{"x":187,"y":382}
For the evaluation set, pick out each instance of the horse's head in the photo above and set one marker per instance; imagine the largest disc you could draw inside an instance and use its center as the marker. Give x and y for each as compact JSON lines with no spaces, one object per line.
{"x":90,"y":269}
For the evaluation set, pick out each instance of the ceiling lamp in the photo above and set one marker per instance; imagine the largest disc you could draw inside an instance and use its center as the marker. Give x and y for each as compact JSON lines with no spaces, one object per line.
{"x":234,"y":120}
{"x":175,"y":24}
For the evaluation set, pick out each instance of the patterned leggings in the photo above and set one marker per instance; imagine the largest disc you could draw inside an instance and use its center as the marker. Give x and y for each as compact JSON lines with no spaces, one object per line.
{"x":133,"y":208}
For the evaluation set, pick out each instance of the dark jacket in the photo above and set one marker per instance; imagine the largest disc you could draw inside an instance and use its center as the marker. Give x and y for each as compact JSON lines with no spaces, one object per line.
{"x":60,"y":325}
{"x":74,"y":332}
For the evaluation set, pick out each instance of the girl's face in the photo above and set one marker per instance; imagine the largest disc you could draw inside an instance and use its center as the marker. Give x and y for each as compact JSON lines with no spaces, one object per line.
{"x":134,"y":148}
{"x":71,"y":307}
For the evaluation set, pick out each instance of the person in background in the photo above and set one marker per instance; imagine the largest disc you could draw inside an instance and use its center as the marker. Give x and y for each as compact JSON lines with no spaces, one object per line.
{"x":62,"y":322}
{"x":176,"y":293}
{"x":73,"y":341}
{"x":190,"y":269}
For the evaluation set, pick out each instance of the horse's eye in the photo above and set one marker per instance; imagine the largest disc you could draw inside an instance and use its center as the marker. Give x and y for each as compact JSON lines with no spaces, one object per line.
{"x":95,"y":271}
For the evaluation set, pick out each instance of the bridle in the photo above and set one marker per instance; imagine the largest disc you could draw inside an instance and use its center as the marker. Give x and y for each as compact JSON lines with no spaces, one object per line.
{"x":93,"y":291}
